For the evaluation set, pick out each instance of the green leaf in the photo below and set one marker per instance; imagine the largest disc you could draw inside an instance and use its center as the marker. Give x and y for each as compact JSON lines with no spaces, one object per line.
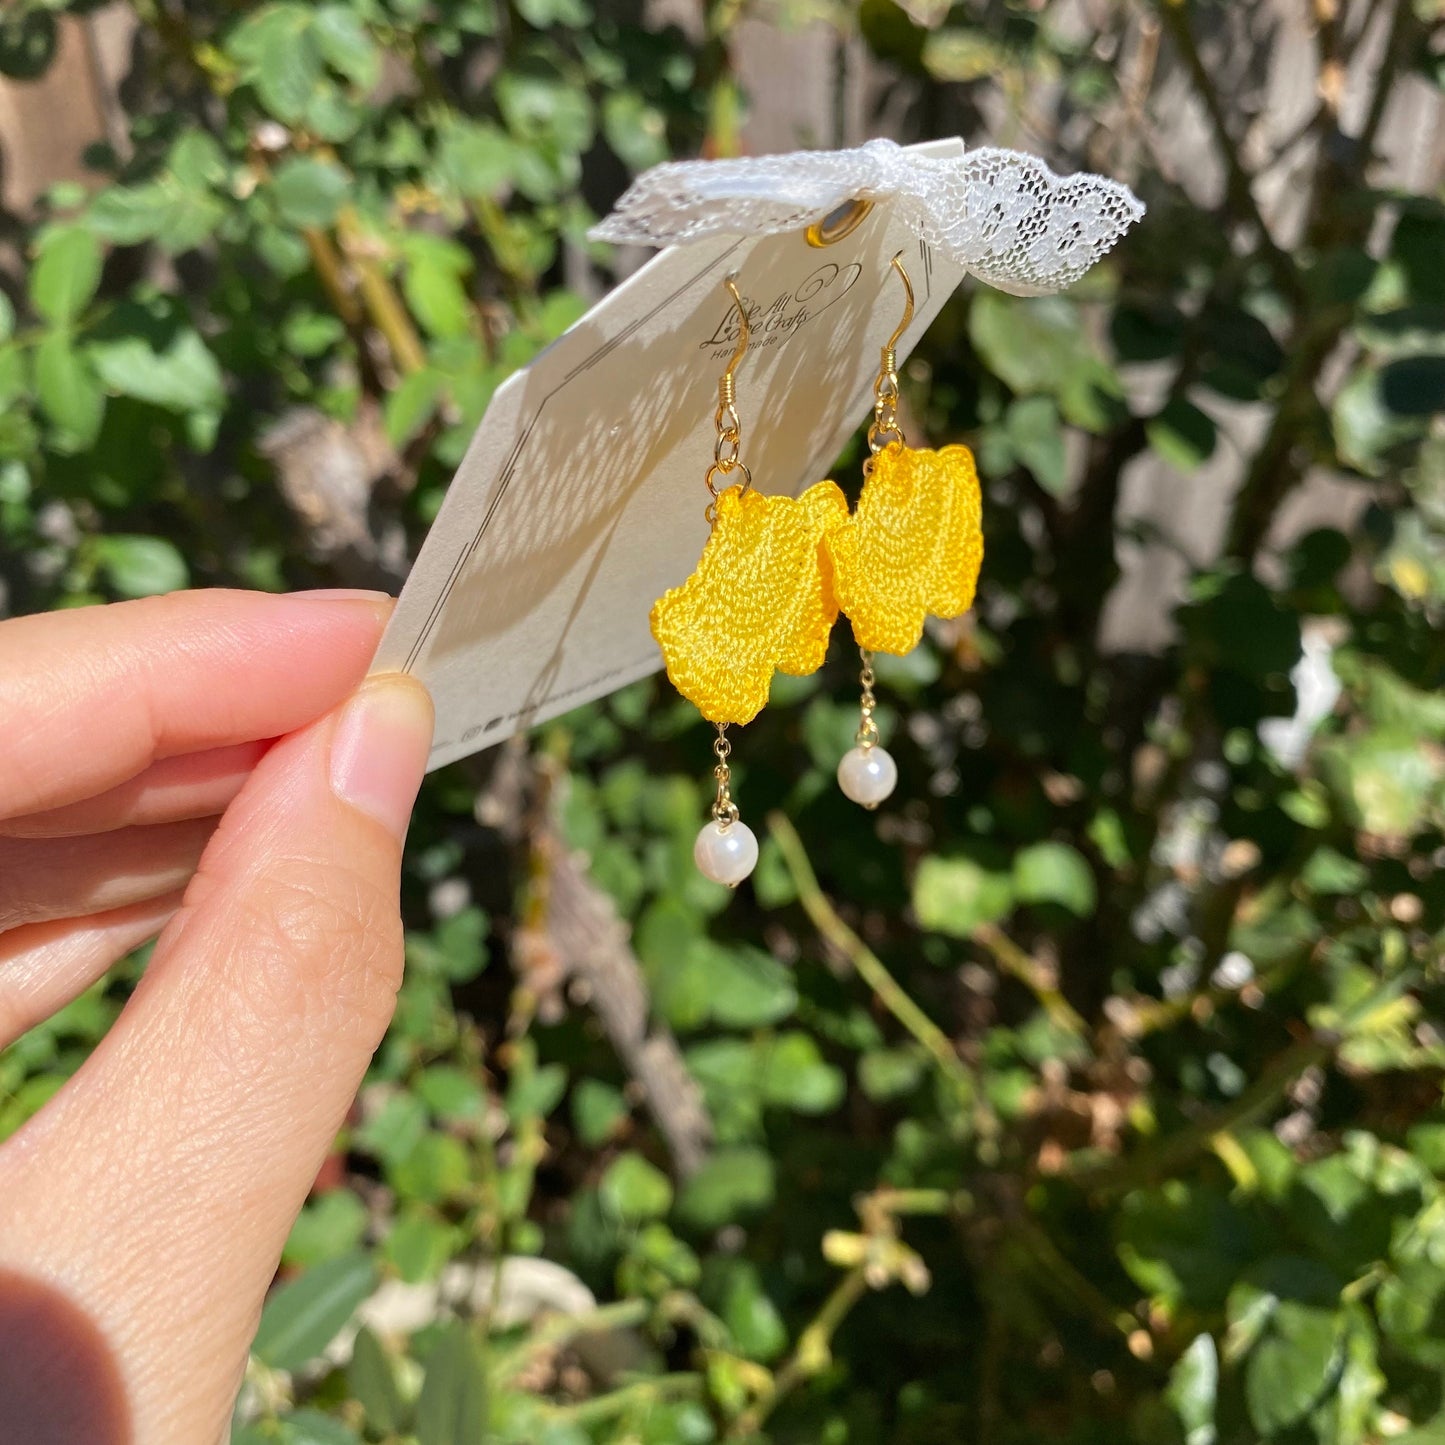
{"x":890,"y":1073}
{"x":178,"y":217}
{"x":1183,"y":435}
{"x":475,"y":158}
{"x":127,"y":215}
{"x":1185,"y":1244}
{"x":1037,"y":438}
{"x":420,"y":1243}
{"x":14,"y":378}
{"x":197,"y":160}
{"x":452,"y":1094}
{"x":1414,"y":385}
{"x":437,"y":1170}
{"x":792,"y":1074}
{"x":539,"y":107}
{"x":7,"y":317}
{"x":346,"y":46}
{"x":1293,"y":1366}
{"x":955,"y":895}
{"x":752,"y":1318}
{"x":309,"y":192}
{"x":68,"y":391}
{"x":533,"y":1094}
{"x":597,"y":1110}
{"x":542,"y":14}
{"x":1055,"y":873}
{"x":311,"y":333}
{"x":1426,"y":1142}
{"x":634,"y":1190}
{"x":636,"y":131}
{"x":748,"y":987}
{"x":456,"y":948}
{"x":1366,"y":429}
{"x":412,"y":405}
{"x":452,"y":1409}
{"x":1193,"y":1389}
{"x":960,"y":56}
{"x":433,"y":287}
{"x":1329,"y":871}
{"x":733,"y":1182}
{"x":66,"y":273}
{"x":141,"y":566}
{"x":333,"y":115}
{"x":395,"y":1129}
{"x":372,"y":1381}
{"x":306,"y":1314}
{"x":1038,"y":345}
{"x":185,"y":377}
{"x":311,"y":1427}
{"x":726,"y":1070}
{"x":279,"y":54}
{"x":1238,"y":623}
{"x":1386,"y":780}
{"x":331,"y":1225}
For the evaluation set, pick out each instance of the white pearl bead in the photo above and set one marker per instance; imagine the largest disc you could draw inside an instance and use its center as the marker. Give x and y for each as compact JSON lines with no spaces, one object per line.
{"x":726,"y":855}
{"x":867,"y":775}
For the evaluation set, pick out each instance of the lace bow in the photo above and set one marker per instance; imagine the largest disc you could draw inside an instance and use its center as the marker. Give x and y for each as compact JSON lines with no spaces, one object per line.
{"x":1002,"y":215}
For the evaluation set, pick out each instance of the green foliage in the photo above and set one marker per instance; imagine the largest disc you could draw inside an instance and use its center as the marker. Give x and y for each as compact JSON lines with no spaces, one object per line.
{"x":305,"y":1315}
{"x":1091,"y":1091}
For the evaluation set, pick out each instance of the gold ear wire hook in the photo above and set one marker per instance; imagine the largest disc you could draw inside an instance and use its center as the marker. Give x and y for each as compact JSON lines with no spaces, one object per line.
{"x":885,"y":430}
{"x":725,"y":386}
{"x":726,"y":451}
{"x":890,"y":349}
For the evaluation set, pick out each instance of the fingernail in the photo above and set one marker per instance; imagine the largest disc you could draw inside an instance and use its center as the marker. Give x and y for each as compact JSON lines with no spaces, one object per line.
{"x":342,"y":594}
{"x":379,"y":749}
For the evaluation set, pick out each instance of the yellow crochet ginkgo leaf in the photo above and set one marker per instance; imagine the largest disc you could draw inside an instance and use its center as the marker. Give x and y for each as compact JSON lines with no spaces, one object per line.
{"x":913,"y":546}
{"x":758,"y":602}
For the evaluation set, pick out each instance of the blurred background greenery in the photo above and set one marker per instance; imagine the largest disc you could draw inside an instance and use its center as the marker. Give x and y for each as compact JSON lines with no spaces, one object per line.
{"x":1090,"y":1091}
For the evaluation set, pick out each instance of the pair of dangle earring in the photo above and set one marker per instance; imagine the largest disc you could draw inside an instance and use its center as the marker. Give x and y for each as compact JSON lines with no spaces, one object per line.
{"x":777,"y":570}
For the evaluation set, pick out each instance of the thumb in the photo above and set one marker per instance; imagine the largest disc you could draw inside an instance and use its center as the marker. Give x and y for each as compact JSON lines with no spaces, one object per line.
{"x":187,"y":1143}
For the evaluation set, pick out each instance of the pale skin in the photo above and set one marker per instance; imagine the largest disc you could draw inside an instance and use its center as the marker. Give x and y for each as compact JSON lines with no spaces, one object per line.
{"x":209,"y":767}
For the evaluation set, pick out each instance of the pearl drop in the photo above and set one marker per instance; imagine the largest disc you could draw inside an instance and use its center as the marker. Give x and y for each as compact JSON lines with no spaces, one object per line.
{"x":867,"y":775}
{"x":726,"y":855}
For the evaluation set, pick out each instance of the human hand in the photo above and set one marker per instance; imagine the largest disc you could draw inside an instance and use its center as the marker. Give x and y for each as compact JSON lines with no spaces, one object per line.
{"x":144,"y":1208}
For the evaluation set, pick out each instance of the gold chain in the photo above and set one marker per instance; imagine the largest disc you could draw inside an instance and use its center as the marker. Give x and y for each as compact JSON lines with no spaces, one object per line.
{"x":724,"y":810}
{"x":867,"y":734}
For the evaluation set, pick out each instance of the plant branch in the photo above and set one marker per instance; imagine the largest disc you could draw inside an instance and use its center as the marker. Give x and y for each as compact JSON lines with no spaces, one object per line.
{"x":812,"y":1355}
{"x":1033,"y":975}
{"x":1066,"y":1281}
{"x":683,"y":1385}
{"x":382,"y":303}
{"x":867,"y":964}
{"x":1239,"y":183}
{"x":1170,"y":1155}
{"x":879,"y":1213}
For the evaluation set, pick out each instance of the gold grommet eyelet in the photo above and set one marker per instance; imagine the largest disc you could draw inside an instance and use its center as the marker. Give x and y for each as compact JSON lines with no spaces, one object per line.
{"x":841,"y":221}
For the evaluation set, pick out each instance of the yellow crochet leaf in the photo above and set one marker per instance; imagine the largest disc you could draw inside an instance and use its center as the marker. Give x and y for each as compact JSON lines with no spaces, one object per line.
{"x":757,"y":603}
{"x":913,"y":546}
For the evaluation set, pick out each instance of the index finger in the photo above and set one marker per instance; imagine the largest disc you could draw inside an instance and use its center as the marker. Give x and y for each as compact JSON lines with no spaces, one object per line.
{"x":90,"y":697}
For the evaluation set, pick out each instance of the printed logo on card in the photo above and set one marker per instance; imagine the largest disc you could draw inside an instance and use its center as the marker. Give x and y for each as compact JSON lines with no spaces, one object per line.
{"x":788,"y":311}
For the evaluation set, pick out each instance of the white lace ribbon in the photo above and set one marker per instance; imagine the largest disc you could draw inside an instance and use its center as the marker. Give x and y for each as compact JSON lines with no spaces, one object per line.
{"x":1002,"y":215}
